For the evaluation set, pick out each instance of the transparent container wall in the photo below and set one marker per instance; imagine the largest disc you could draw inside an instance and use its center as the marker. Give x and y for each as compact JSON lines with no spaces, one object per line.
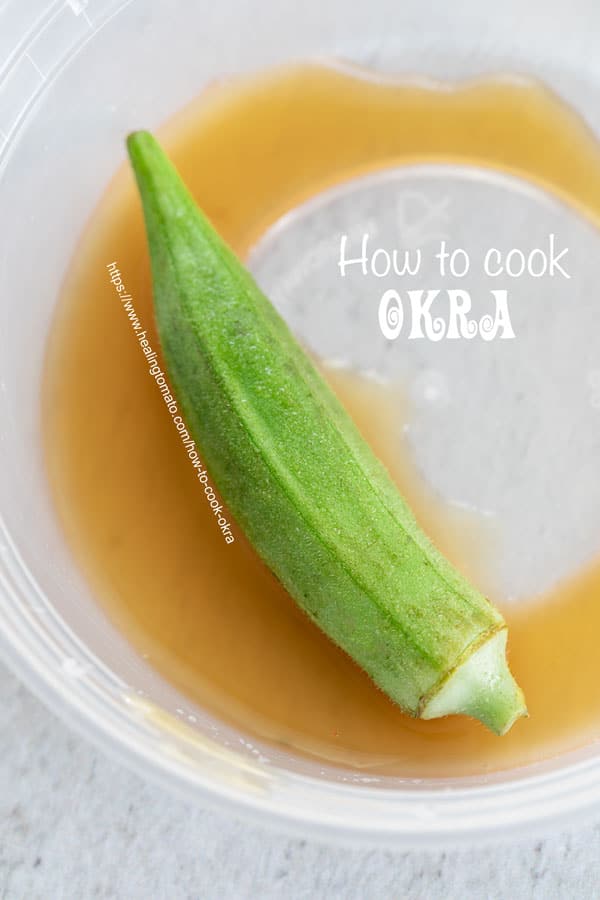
{"x":74,"y":79}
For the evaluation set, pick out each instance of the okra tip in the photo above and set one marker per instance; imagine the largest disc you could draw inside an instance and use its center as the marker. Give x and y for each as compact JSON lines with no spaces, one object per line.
{"x":141,"y":136}
{"x":141,"y":144}
{"x":482,"y":687}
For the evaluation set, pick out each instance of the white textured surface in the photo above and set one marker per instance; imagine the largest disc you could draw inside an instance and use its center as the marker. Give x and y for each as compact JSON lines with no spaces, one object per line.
{"x":74,"y":825}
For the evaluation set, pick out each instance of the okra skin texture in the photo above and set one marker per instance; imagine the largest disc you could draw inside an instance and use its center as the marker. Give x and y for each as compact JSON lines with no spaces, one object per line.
{"x":291,"y":466}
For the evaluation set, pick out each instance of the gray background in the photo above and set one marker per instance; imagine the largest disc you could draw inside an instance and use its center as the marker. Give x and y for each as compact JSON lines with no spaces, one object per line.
{"x":73,"y":825}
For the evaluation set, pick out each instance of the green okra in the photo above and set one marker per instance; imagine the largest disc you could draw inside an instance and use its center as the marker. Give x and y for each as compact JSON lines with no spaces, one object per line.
{"x":303,"y":484}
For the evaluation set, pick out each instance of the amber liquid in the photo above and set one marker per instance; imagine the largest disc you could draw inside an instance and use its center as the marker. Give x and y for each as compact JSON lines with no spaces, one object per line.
{"x":208,"y":615}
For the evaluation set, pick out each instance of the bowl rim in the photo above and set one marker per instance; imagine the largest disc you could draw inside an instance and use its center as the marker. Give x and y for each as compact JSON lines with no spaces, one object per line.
{"x":35,"y":641}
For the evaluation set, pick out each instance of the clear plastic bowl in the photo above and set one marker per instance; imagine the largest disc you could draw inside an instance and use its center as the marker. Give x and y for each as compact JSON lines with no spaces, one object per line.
{"x":74,"y":78}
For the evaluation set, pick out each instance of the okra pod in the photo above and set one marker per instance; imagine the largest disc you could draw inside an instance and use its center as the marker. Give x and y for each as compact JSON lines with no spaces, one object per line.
{"x":305,"y":487}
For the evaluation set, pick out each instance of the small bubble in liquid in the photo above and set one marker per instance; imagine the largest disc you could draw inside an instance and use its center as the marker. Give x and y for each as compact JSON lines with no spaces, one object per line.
{"x":430,"y":389}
